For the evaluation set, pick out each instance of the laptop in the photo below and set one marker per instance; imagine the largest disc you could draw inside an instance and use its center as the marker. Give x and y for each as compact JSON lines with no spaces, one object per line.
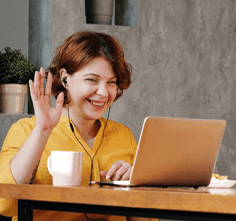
{"x":175,"y":152}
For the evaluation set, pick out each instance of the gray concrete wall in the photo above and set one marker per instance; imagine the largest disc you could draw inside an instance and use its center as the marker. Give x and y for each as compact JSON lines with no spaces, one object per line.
{"x":14,"y":24}
{"x":184,"y":60}
{"x":40,"y":32}
{"x":127,"y":13}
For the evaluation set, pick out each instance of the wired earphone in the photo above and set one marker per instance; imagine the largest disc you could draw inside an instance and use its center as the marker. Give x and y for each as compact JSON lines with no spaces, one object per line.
{"x":64,"y":82}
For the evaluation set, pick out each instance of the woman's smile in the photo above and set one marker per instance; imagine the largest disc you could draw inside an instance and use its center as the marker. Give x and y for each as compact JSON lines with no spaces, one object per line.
{"x":97,"y":104}
{"x":92,"y":89}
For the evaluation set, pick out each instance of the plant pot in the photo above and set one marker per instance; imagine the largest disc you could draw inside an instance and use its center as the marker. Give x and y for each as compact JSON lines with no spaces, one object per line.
{"x":12,"y":98}
{"x":99,"y":11}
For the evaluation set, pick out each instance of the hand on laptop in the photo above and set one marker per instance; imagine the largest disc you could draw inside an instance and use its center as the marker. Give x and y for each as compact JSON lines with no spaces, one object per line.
{"x":120,"y":170}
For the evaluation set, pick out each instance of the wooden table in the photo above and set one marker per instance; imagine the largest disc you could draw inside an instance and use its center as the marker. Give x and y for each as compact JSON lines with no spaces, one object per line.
{"x":165,"y":203}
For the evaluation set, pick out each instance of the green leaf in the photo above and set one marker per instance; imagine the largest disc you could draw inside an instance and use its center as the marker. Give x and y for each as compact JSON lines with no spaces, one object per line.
{"x":15,"y":67}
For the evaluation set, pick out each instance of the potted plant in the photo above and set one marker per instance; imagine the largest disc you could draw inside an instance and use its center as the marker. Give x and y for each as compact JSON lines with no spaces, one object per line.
{"x":15,"y":72}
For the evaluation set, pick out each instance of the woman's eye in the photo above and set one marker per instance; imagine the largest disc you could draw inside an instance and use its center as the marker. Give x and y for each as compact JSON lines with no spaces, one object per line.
{"x":112,"y":82}
{"x":91,"y":80}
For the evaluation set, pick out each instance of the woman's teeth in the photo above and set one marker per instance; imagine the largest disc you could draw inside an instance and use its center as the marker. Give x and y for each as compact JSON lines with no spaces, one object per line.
{"x":97,"y":103}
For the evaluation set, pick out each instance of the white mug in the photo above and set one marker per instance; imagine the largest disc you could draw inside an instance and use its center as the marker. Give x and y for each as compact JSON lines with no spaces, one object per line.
{"x":65,"y":168}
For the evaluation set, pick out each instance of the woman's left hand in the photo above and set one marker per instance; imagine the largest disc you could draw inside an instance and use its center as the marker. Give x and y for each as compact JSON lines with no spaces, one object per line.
{"x":120,"y":170}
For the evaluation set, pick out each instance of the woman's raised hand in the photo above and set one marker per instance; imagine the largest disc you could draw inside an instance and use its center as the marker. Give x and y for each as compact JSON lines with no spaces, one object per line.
{"x":46,"y":117}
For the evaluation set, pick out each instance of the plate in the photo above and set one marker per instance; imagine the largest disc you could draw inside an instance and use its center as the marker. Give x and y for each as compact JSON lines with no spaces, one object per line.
{"x":221,"y":183}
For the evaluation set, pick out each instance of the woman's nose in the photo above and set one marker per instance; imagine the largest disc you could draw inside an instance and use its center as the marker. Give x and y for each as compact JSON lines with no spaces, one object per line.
{"x":102,"y":90}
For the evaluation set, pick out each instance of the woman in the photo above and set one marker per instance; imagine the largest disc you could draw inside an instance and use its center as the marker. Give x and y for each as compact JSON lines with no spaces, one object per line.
{"x":87,"y":74}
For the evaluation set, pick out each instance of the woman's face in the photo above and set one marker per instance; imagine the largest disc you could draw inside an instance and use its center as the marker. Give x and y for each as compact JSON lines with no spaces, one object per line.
{"x":92,"y":89}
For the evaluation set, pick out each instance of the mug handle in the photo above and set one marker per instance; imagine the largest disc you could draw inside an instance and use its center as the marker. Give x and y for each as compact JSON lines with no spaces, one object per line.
{"x":49,"y":164}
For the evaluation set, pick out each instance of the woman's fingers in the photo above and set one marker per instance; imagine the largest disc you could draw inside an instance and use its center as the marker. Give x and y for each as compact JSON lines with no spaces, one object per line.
{"x":36,"y":83}
{"x":121,"y":173}
{"x":59,"y":103}
{"x":32,"y":91}
{"x":120,"y":170}
{"x":48,"y":88}
{"x":42,"y":74}
{"x":103,"y":173}
{"x":113,"y":170}
{"x":46,"y":116}
{"x":126,"y":175}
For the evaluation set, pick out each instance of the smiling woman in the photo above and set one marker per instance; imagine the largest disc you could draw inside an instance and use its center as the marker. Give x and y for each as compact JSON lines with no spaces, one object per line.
{"x":92,"y":89}
{"x":80,"y":48}
{"x":87,"y":74}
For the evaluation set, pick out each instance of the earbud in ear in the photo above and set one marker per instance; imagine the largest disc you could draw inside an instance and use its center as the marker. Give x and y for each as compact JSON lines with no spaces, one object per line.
{"x":64,"y":82}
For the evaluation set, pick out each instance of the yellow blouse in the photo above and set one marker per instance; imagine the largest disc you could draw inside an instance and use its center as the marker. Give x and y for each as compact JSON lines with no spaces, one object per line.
{"x":118,"y":143}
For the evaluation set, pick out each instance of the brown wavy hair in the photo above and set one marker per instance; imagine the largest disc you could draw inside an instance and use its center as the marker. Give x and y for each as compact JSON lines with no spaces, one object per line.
{"x":79,"y":49}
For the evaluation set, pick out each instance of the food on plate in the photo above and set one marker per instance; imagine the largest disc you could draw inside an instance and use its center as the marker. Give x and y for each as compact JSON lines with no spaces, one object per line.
{"x":219,"y":177}
{"x":218,"y":181}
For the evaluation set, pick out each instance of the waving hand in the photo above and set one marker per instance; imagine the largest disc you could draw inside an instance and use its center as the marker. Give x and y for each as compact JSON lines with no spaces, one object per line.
{"x":46,"y":116}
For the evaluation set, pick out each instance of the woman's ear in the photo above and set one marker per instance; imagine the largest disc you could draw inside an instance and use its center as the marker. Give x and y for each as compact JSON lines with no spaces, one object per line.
{"x":63,"y":74}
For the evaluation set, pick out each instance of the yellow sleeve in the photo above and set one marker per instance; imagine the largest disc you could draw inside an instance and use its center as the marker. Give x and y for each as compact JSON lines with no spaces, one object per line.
{"x":15,"y":138}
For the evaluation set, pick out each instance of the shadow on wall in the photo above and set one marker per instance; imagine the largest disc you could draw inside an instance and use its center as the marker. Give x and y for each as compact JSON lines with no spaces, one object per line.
{"x":127,"y":13}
